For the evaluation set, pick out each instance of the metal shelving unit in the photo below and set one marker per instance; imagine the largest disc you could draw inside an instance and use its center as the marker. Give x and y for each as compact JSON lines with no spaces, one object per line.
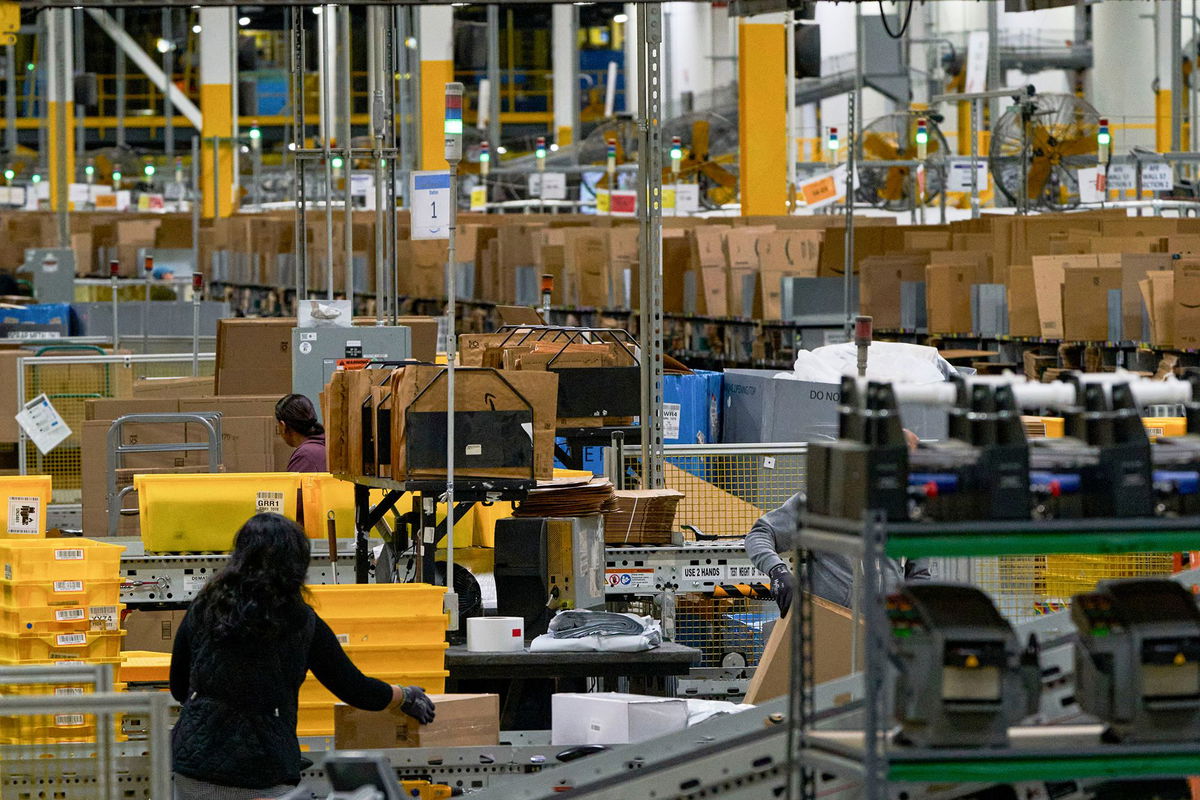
{"x":1034,"y":753}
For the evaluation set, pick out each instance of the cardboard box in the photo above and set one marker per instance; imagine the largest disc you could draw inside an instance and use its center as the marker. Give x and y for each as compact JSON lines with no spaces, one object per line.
{"x":254,"y":356}
{"x":614,"y":718}
{"x":1048,"y":274}
{"x":172,"y":387}
{"x":463,"y":720}
{"x":94,"y":499}
{"x":948,"y":298}
{"x":152,"y":631}
{"x":1134,"y":267}
{"x":1085,"y":302}
{"x":423,"y":333}
{"x":1022,"y":302}
{"x":832,"y":629}
{"x":1162,"y":293}
{"x":879,"y":286}
{"x":1186,"y":291}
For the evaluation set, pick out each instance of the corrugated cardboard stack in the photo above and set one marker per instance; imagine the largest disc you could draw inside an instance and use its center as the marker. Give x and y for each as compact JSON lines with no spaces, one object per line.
{"x":642,"y":516}
{"x":393,"y":632}
{"x":59,"y":603}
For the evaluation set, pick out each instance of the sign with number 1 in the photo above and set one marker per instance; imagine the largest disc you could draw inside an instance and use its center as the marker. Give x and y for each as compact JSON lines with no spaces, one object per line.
{"x":430,"y":215}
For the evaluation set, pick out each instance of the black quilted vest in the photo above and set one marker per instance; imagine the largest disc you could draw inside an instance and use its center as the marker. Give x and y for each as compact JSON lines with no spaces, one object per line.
{"x":238,"y":725}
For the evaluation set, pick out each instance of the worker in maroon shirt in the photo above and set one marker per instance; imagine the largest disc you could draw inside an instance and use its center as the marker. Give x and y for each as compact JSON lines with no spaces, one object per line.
{"x":298,"y":427}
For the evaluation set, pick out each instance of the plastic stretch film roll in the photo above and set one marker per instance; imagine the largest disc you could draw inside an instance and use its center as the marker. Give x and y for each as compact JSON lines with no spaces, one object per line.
{"x":495,"y":634}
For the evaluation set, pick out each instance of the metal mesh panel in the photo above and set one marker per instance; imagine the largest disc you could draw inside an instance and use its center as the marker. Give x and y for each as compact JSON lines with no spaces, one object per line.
{"x":727,"y":630}
{"x":726,"y":488}
{"x":69,"y":384}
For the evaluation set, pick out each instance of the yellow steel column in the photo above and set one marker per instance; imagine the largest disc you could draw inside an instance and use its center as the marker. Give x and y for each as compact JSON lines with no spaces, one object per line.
{"x":436,"y":43}
{"x":218,"y":49}
{"x":762,"y":114}
{"x":60,"y":106}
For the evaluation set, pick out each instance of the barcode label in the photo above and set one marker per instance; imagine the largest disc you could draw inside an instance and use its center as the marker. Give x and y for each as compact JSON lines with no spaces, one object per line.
{"x":269,"y":502}
{"x":343,"y":638}
{"x":68,"y":586}
{"x":103,"y":617}
{"x":70,"y":639}
{"x":68,"y":720}
{"x":63,"y":658}
{"x":68,"y":555}
{"x":68,"y":691}
{"x":70,"y":615}
{"x":1156,"y":432}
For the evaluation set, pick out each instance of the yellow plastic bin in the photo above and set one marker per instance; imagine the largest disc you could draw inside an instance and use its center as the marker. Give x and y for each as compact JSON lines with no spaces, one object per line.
{"x":321,"y":493}
{"x":399,"y":601}
{"x":56,"y":647}
{"x":25,"y":498}
{"x":432,"y":681}
{"x":59,"y":619}
{"x":1164,"y":426}
{"x":374,"y":659}
{"x":26,"y":594}
{"x":60,"y":559}
{"x":145,"y":666}
{"x":203,"y":512}
{"x":388,"y":630}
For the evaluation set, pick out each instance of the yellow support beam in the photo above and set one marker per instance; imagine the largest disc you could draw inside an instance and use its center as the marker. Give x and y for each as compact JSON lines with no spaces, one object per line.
{"x":1162,"y":120}
{"x":216,"y":104}
{"x":762,"y":115}
{"x":434,"y":77}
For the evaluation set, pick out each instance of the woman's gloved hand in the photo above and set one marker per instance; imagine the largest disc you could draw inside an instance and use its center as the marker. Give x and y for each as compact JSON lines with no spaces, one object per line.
{"x":783,"y":585}
{"x":413,"y":701}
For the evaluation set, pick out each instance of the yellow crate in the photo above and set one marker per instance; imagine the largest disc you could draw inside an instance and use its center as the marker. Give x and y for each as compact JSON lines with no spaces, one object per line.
{"x":203,"y":512}
{"x":27,"y":594}
{"x":432,"y":681}
{"x":60,"y":560}
{"x":35,"y":648}
{"x":41,"y":689}
{"x":144,"y":666}
{"x":1044,"y":427}
{"x":25,"y":499}
{"x":373,"y":600}
{"x":60,"y":619}
{"x":321,"y":493}
{"x":1164,"y":426}
{"x":390,"y":630}
{"x":379,"y":659}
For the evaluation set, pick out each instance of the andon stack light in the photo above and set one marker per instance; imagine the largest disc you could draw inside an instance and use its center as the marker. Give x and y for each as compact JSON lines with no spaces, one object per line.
{"x":832,"y":143}
{"x":922,"y":139}
{"x":676,"y":155}
{"x":1104,"y":141}
{"x":539,"y":153}
{"x":485,"y":159}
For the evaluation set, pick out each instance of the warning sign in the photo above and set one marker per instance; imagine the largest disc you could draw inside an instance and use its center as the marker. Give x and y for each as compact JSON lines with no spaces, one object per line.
{"x":24,"y":516}
{"x":269,"y":502}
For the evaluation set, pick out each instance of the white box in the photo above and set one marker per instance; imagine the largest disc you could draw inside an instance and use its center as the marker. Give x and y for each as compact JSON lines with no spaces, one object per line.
{"x":614,"y":718}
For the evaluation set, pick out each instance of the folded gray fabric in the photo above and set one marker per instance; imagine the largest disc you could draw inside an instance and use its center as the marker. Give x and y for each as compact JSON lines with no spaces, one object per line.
{"x":580,"y":624}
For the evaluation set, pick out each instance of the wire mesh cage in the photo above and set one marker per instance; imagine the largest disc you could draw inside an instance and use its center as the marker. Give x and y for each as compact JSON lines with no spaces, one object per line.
{"x":69,"y":381}
{"x":730,"y":632}
{"x":727,"y":487}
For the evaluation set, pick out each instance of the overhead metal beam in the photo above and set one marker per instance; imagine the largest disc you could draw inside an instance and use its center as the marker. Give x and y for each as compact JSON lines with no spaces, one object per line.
{"x":143,"y":61}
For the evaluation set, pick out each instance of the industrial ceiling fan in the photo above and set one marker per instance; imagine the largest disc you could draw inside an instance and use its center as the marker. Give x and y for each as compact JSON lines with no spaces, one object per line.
{"x":1038,"y":147}
{"x":893,"y":137}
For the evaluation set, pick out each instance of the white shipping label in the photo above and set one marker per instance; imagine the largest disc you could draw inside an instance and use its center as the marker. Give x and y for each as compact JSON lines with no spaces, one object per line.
{"x":343,"y":638}
{"x":474,"y":450}
{"x":70,"y":615}
{"x":68,"y":586}
{"x":68,"y":555}
{"x":68,"y":720}
{"x":670,"y":417}
{"x":42,"y":423}
{"x":24,"y":516}
{"x":104,"y":618}
{"x":269,"y":502}
{"x":687,"y":198}
{"x":70,"y":639}
{"x":69,"y":691}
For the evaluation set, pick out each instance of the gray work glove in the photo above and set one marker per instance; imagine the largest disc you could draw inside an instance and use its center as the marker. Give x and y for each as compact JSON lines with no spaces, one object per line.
{"x":783,"y":586}
{"x":417,"y":705}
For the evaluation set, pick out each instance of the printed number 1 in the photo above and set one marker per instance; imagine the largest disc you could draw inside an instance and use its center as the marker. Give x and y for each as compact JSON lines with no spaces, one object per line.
{"x":435,"y":209}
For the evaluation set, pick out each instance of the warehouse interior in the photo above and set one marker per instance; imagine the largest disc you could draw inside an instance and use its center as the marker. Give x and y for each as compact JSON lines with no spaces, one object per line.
{"x":737,"y":399}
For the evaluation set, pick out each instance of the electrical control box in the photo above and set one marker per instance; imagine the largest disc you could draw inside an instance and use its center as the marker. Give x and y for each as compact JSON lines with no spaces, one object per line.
{"x":316,"y":353}
{"x":53,"y":273}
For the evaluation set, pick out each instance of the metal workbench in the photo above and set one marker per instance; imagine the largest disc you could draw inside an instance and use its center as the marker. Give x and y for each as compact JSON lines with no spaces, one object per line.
{"x":666,"y":659}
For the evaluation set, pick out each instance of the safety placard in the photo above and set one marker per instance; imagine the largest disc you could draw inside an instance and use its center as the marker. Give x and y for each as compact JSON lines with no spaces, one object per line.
{"x":702,"y":572}
{"x":687,"y":198}
{"x":24,"y":516}
{"x":603,"y":202}
{"x":193,"y":583}
{"x":479,"y":198}
{"x":429,"y":194}
{"x":960,"y":175}
{"x":548,"y":185}
{"x":1157,"y":177}
{"x":1122,"y":177}
{"x":1091,"y":185}
{"x":623,"y":203}
{"x":825,"y":189}
{"x":630,"y":578}
{"x":42,"y":423}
